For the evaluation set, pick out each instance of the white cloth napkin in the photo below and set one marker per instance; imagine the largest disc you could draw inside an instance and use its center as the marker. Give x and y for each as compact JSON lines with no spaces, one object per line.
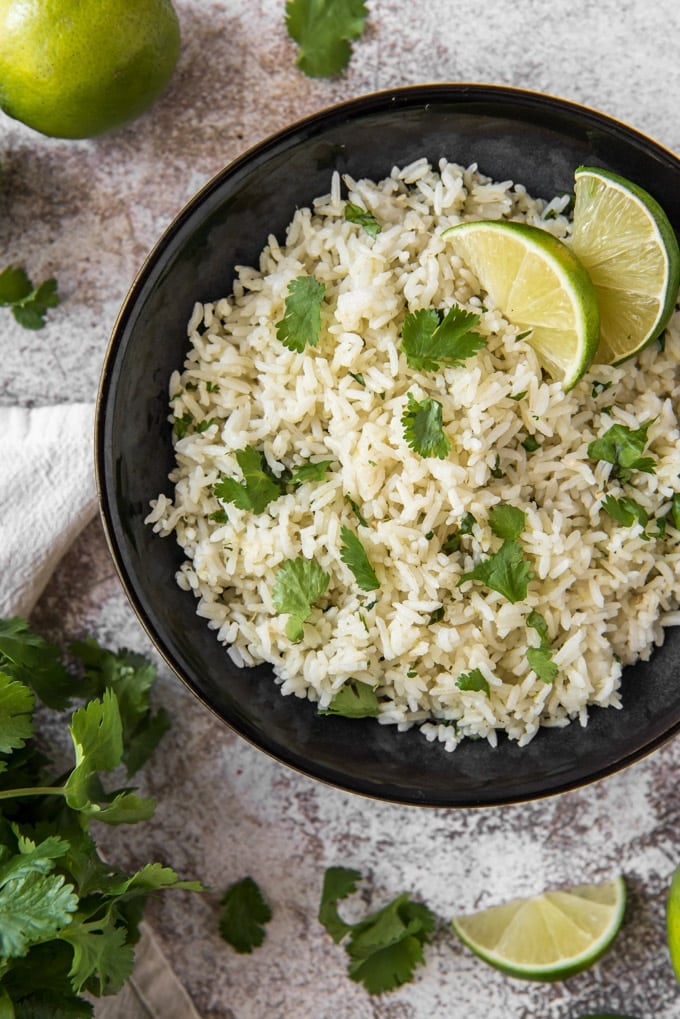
{"x":47,"y":496}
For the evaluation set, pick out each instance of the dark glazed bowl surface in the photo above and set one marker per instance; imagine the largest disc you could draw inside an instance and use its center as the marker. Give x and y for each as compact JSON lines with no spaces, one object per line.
{"x":510,"y":134}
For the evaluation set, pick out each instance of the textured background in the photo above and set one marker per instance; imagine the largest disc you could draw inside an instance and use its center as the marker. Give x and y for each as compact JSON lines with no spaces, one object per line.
{"x":88,"y":212}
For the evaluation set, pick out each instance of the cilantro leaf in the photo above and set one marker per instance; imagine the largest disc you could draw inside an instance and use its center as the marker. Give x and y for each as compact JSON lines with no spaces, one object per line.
{"x":16,"y":713}
{"x":299,"y":583}
{"x":309,"y":472}
{"x":357,"y":511}
{"x":506,"y":571}
{"x":354,"y":699}
{"x":244,"y":913}
{"x":385,"y":947}
{"x":131,"y":677}
{"x":33,"y":908}
{"x":101,"y":953}
{"x":540,"y":658}
{"x":29,"y":304}
{"x":259,"y":486}
{"x":353,"y":554}
{"x":423,"y":430}
{"x":338,"y":883}
{"x":430,"y":340}
{"x":623,"y":447}
{"x":506,"y":521}
{"x":473,"y":680}
{"x":355,"y":214}
{"x":301,"y":322}
{"x":26,"y":656}
{"x":625,"y":511}
{"x":323,"y":30}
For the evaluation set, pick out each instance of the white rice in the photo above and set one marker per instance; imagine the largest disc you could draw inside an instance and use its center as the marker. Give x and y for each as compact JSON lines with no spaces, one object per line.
{"x":604,"y":589}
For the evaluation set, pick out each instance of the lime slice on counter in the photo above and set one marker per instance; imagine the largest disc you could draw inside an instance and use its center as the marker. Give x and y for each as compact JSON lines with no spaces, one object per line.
{"x":627,"y":244}
{"x":538,"y":284}
{"x":673,"y":922}
{"x":549,"y":937}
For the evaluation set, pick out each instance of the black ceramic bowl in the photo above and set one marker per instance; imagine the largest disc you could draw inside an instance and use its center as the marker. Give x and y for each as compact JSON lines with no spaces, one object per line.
{"x":527,"y":137}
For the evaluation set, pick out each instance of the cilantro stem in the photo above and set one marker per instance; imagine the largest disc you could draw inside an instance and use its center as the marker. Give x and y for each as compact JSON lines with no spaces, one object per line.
{"x":34,"y":790}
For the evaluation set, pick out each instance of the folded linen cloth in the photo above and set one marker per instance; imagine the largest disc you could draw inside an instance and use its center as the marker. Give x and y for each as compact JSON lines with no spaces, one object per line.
{"x":47,"y":496}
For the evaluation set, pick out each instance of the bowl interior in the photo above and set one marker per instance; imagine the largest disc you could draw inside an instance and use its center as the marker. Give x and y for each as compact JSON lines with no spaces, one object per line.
{"x":510,"y":134}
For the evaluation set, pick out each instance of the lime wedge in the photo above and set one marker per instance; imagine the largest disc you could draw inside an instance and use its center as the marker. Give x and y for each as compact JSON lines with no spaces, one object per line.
{"x":624,"y":239}
{"x":538,"y":284}
{"x":549,"y":937}
{"x":673,"y":922}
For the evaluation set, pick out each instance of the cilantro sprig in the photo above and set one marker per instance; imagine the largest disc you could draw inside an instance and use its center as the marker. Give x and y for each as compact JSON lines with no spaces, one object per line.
{"x":363,"y":218}
{"x":298,"y":585}
{"x":540,"y":658}
{"x":623,"y":447}
{"x":506,"y":570}
{"x":423,"y":428}
{"x":243,"y":916}
{"x":473,"y":680}
{"x":626,"y":511}
{"x":353,"y":554}
{"x":260,"y":485}
{"x":385,"y":947}
{"x":301,"y":323}
{"x":29,"y":304}
{"x":68,"y":919}
{"x":324,"y":31}
{"x":430,"y":339}
{"x":354,"y":699}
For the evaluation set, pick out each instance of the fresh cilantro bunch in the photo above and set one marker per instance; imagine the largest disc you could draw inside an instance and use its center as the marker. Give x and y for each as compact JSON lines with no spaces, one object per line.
{"x":324,"y":31}
{"x":385,"y":947}
{"x":29,"y":304}
{"x":69,"y":920}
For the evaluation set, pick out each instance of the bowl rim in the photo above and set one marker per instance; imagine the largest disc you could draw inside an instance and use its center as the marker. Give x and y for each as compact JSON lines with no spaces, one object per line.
{"x":457,"y":92}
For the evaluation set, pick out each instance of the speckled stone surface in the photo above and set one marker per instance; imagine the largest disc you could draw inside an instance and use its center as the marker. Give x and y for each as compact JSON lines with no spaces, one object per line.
{"x":88,"y":212}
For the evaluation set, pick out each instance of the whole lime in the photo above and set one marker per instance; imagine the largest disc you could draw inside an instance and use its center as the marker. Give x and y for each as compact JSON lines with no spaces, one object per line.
{"x":77,"y":68}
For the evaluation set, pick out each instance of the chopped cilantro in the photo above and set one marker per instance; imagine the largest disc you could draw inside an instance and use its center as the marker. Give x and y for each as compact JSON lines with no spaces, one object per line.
{"x":212,"y":387}
{"x":357,"y":511}
{"x":309,"y":472}
{"x":385,"y":947}
{"x":358,"y":377}
{"x":467,"y":522}
{"x":496,"y":471}
{"x":623,"y":447}
{"x":451,"y":543}
{"x":324,"y":30}
{"x":540,"y":658}
{"x":437,"y":615}
{"x":355,"y":214}
{"x":204,"y":425}
{"x":531,"y":443}
{"x":473,"y":680}
{"x":506,"y":521}
{"x":219,"y":516}
{"x":423,"y":430}
{"x":301,"y":323}
{"x":519,"y":396}
{"x":244,"y":914}
{"x":182,"y":425}
{"x":354,"y":699}
{"x":29,"y":304}
{"x":430,"y":340}
{"x":353,"y":554}
{"x":600,"y":387}
{"x":523,"y":336}
{"x":506,"y":571}
{"x":259,"y":486}
{"x":625,"y":511}
{"x":299,"y":583}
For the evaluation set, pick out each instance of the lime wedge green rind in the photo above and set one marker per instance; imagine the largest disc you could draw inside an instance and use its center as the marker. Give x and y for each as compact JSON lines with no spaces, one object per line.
{"x":539,"y":284}
{"x":628,"y":245}
{"x":550,"y":937}
{"x":673,"y":923}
